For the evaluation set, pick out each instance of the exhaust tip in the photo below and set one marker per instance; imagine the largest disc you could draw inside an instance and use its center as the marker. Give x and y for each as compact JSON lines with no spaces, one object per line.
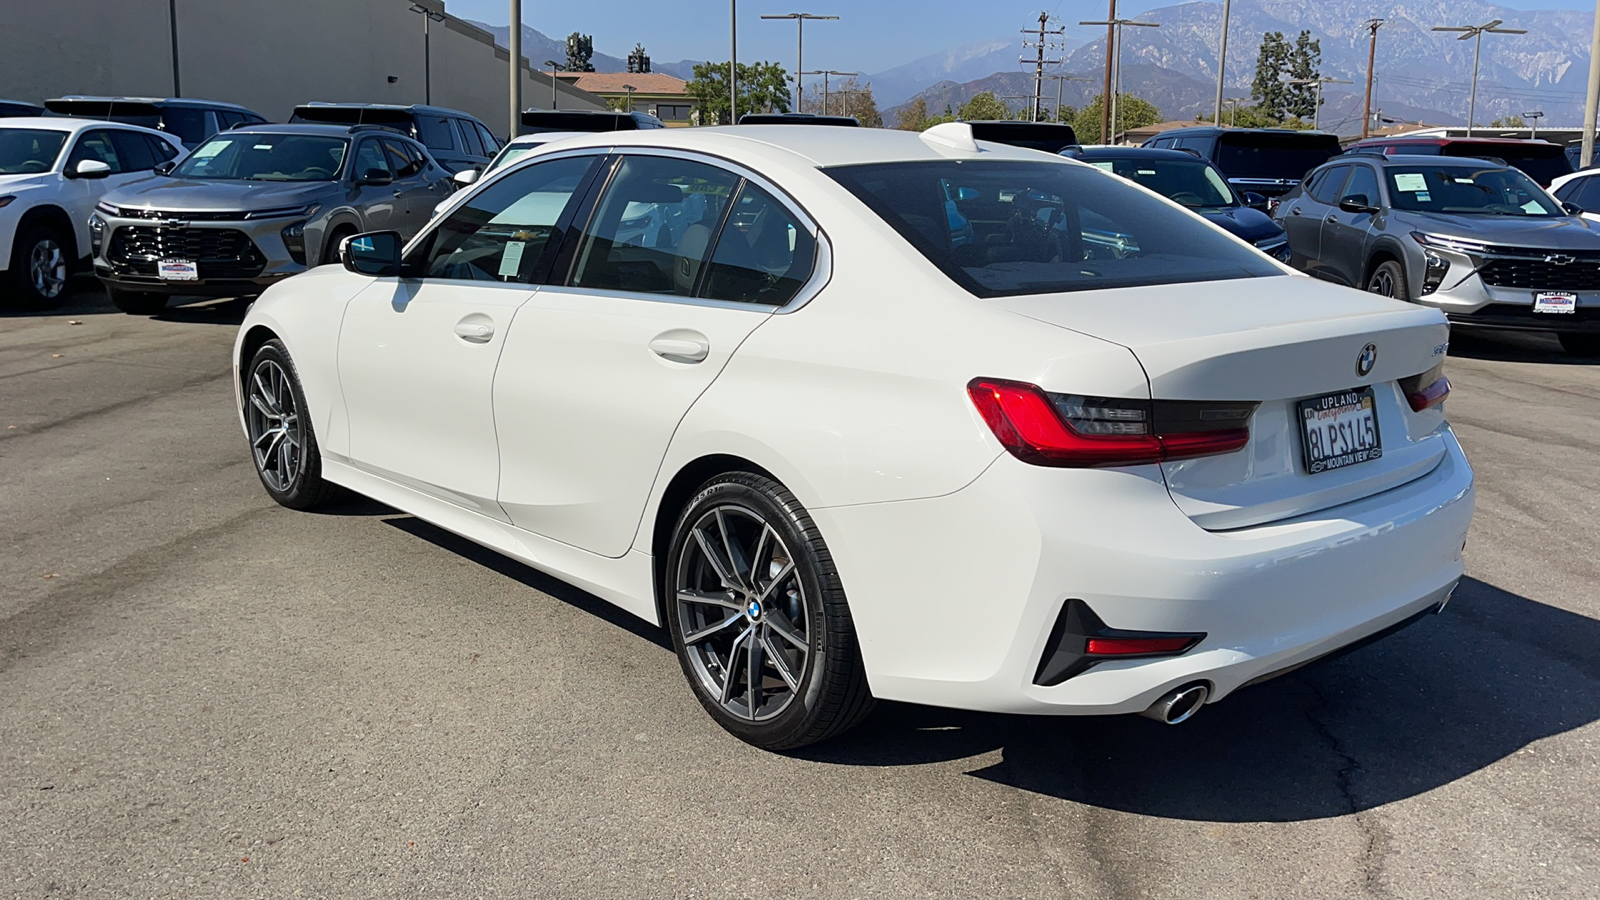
{"x":1179,"y":705}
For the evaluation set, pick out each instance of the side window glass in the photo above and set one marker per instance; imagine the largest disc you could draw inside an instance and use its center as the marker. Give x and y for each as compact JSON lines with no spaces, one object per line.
{"x":399,"y":160}
{"x":500,"y":233}
{"x":369,"y":156}
{"x":435,"y":133}
{"x":491,"y":145}
{"x":469,"y":137}
{"x":1362,"y":181}
{"x":185,"y":123}
{"x":653,"y":226}
{"x":763,"y":255}
{"x":95,"y":145}
{"x":1325,"y":187}
{"x":161,"y":150}
{"x":132,"y":151}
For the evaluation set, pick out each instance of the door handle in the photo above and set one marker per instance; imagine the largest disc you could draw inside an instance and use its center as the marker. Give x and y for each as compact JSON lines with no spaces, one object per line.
{"x":681,"y":349}
{"x":1331,"y":219}
{"x":474,"y":332}
{"x":399,"y":193}
{"x":1294,"y":210}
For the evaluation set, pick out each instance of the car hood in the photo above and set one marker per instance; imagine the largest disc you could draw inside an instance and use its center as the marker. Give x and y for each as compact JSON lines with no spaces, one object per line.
{"x":1241,"y":221}
{"x":10,"y":184}
{"x":1560,"y":233}
{"x":183,"y":195}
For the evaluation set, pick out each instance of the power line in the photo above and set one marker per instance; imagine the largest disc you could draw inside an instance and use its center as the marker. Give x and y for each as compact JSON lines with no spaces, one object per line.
{"x":1039,"y":61}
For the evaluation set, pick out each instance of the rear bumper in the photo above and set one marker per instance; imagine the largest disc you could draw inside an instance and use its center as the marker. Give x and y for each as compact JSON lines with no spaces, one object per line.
{"x":1472,"y":304}
{"x":954,"y":597}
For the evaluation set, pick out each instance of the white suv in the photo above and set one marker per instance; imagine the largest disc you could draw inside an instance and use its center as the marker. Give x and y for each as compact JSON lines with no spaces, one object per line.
{"x":52,"y":173}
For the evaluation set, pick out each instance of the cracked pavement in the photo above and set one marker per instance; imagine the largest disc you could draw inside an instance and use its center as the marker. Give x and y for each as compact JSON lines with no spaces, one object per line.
{"x":205,"y":695}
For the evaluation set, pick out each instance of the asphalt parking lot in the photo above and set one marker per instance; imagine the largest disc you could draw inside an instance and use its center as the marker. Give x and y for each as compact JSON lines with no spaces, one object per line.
{"x":205,"y":695}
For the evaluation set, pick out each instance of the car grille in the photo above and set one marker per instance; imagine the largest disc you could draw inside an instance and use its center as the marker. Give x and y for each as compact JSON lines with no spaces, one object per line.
{"x":1506,"y":315}
{"x":217,"y":252}
{"x":1582,"y":275}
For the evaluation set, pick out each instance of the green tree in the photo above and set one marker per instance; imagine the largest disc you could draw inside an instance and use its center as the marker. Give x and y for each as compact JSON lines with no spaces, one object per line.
{"x":852,"y":98}
{"x":1132,"y":112}
{"x":1272,"y":63}
{"x":984,"y":105}
{"x":1067,"y":114}
{"x":911,"y":116}
{"x":763,"y":87}
{"x":1305,"y":64}
{"x":1508,"y":122}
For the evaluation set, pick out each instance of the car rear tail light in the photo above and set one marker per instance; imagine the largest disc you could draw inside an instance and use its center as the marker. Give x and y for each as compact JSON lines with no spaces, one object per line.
{"x":1426,"y":390}
{"x":1049,"y":429}
{"x":1137,"y":646}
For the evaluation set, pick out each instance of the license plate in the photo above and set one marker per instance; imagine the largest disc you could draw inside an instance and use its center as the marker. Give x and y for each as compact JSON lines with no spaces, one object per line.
{"x":1555,"y":302}
{"x":1339,"y":430}
{"x":177,"y":270}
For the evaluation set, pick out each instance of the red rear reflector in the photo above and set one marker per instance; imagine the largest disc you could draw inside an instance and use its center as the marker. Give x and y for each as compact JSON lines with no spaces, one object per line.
{"x":1432,"y":395}
{"x":1030,"y":426}
{"x":1103,"y":646}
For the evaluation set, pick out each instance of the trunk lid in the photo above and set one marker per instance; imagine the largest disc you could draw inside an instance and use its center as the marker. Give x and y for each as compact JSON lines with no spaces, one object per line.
{"x":1276,"y":341}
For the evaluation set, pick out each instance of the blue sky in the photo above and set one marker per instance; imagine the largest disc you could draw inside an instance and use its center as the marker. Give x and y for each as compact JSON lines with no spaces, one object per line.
{"x":871,"y":36}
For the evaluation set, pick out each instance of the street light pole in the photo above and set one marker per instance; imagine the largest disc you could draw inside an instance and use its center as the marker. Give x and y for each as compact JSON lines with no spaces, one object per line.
{"x":1316,"y":112}
{"x":1476,"y":33}
{"x":172,"y":20}
{"x":1222,"y":61}
{"x":825,"y":73}
{"x":1591,"y":101}
{"x":733,"y":62}
{"x":553,"y":67}
{"x":1111,"y":103}
{"x":428,"y":18}
{"x":800,"y":47}
{"x":514,"y":45}
{"x":1534,"y":117}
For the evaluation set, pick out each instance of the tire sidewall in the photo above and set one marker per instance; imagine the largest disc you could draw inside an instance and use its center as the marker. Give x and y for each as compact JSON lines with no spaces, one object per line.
{"x":1402,"y":290}
{"x":762,"y":496}
{"x":307,"y":481}
{"x":21,"y":287}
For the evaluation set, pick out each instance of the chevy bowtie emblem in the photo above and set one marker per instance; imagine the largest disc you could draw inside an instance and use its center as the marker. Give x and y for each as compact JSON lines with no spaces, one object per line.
{"x":175,"y":223}
{"x":1558,"y":259}
{"x":1366,"y":360}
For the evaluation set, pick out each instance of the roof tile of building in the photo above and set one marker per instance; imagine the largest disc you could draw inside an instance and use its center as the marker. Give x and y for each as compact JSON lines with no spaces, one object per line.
{"x":616,"y":82}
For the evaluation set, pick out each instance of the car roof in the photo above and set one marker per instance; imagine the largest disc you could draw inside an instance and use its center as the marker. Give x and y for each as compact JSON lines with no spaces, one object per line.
{"x":1087,"y":153}
{"x":812,"y":146}
{"x":408,"y":107}
{"x":1432,"y":141}
{"x":72,"y":124}
{"x":315,"y":128}
{"x":154,"y":101}
{"x":1215,"y":129}
{"x":1413,"y":159}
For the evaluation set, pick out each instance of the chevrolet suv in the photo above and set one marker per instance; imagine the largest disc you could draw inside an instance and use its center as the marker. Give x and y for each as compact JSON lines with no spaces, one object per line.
{"x":252,"y":206}
{"x":1477,"y":239}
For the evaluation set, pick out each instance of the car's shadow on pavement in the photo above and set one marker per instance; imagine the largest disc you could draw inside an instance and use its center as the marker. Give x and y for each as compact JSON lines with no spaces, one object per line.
{"x":1453,"y":694}
{"x":85,"y":297}
{"x":1513,"y":346}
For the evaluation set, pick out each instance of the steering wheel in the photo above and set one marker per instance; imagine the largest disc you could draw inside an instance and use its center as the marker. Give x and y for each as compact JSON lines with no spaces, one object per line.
{"x":1188,"y":198}
{"x":316,"y":172}
{"x":1505,"y":208}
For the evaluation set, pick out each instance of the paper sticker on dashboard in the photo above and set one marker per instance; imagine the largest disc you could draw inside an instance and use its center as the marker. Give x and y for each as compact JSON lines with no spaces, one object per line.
{"x":511,"y":262}
{"x":1410,"y":181}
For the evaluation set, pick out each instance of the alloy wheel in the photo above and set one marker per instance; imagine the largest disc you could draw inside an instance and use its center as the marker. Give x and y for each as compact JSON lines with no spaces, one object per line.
{"x":1382,"y":283}
{"x":277,"y":435}
{"x":743,"y":613}
{"x":47,"y":268}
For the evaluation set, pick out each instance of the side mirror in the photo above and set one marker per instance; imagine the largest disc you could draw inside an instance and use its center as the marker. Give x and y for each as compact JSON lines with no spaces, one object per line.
{"x":90,"y":168}
{"x":378,"y":177}
{"x":1357,"y":203}
{"x":376,"y":253}
{"x":466,"y":177}
{"x":165,"y":168}
{"x":1254,"y":200}
{"x":967,"y":193}
{"x":1572,"y":209}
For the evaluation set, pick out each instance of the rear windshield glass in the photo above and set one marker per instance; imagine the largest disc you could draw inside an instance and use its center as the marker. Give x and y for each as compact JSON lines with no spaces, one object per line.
{"x":242,"y":156}
{"x":27,"y":151}
{"x":1273,"y":155}
{"x":185,"y":123}
{"x":1193,"y":182}
{"x":1001,"y":229}
{"x":1543,"y":164}
{"x":1044,"y":136}
{"x":1467,"y":191}
{"x":535,"y":122}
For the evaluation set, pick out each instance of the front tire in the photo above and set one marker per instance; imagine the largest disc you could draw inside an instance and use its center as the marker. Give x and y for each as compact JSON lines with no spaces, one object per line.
{"x":758,"y":616}
{"x":41,"y":265}
{"x":1389,"y":280}
{"x":1580,"y":344}
{"x":278,"y":423}
{"x":137,"y":303}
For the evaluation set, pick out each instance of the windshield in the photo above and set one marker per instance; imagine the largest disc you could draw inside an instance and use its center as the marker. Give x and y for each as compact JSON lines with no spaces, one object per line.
{"x":1468,"y":190}
{"x":1543,"y":164}
{"x":27,"y":151}
{"x":266,"y":157}
{"x":510,"y":154}
{"x":1273,"y":155}
{"x":1007,"y":228}
{"x":1193,"y":183}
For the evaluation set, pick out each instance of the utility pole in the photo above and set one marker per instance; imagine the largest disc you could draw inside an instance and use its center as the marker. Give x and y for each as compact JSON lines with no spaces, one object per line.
{"x":1372,"y":26}
{"x":172,"y":20}
{"x":1109,"y":104}
{"x":1039,"y":60}
{"x":1534,"y":117}
{"x":1476,"y":33}
{"x":1591,"y":100}
{"x":733,"y":62}
{"x":800,"y":48}
{"x":1316,"y":112}
{"x":514,"y":45}
{"x":1105,"y":93}
{"x":1222,"y":61}
{"x":825,"y":73}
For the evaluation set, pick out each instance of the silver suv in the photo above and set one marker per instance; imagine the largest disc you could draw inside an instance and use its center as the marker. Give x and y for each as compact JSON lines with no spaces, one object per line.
{"x":253,"y":206}
{"x":1474,"y":238}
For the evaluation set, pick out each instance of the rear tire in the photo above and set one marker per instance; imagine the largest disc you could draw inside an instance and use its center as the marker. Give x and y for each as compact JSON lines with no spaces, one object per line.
{"x":41,"y":268}
{"x":137,"y":303}
{"x":278,"y":424}
{"x":758,"y":616}
{"x":1389,"y":280}
{"x":1580,"y":344}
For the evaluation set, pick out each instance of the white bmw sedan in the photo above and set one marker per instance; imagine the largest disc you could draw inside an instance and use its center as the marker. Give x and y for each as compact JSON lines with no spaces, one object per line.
{"x":870,"y":414}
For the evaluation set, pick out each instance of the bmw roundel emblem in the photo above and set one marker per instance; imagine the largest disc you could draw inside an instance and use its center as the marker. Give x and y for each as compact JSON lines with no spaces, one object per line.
{"x":753,"y":610}
{"x":1367,"y":359}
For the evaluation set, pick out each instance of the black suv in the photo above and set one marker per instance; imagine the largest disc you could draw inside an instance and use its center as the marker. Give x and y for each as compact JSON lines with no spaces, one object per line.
{"x":538,"y":121}
{"x":190,"y":121}
{"x":1049,"y":137}
{"x":1267,"y":161}
{"x":456,"y":140}
{"x":13,"y":108}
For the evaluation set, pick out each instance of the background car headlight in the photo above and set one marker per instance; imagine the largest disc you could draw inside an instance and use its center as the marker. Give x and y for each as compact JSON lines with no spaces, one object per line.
{"x":6,"y":201}
{"x":107,"y":208}
{"x":1433,"y":273}
{"x":97,"y":234}
{"x":1275,"y":247}
{"x":294,"y":240}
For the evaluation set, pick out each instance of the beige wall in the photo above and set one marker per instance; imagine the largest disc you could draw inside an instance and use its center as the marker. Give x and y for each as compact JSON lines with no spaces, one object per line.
{"x":268,"y":55}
